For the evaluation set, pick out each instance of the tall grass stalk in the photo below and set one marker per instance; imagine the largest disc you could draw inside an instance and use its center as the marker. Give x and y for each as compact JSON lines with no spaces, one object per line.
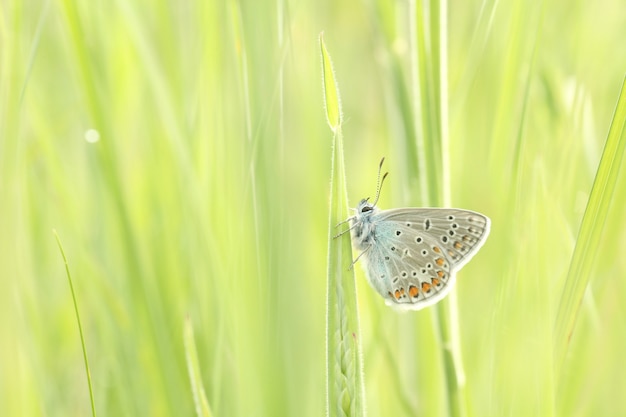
{"x":430,"y":105}
{"x":344,"y":359}
{"x":588,"y":240}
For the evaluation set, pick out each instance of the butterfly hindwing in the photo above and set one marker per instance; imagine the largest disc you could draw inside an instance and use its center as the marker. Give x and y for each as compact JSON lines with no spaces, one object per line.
{"x":408,"y":268}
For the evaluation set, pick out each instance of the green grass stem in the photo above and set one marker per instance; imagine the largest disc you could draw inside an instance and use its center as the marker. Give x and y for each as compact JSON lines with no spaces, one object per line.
{"x":80,"y":327}
{"x":429,"y":69}
{"x":344,"y":358}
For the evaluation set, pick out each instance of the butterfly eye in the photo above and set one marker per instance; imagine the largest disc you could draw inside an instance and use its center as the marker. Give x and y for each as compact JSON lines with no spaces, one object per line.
{"x":366,"y":209}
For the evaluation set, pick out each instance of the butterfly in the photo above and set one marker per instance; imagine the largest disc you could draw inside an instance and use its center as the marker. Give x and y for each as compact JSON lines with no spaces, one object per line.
{"x":411,"y":255}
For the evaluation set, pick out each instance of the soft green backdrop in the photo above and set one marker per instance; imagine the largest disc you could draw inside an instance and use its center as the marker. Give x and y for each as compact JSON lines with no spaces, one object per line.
{"x":206,"y":197}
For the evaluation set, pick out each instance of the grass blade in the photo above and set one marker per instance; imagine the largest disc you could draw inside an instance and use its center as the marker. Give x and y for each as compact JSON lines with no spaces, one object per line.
{"x":344,"y":359}
{"x":80,"y":327}
{"x":429,"y":69}
{"x":193,"y":367}
{"x":332,"y":101}
{"x":602,"y":193}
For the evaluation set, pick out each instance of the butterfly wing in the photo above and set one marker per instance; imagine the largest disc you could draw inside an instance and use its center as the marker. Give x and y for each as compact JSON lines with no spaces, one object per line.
{"x":461,"y":233}
{"x":415,"y":253}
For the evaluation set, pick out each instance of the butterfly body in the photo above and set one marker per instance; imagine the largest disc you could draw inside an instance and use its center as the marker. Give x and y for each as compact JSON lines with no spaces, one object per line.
{"x":411,"y":255}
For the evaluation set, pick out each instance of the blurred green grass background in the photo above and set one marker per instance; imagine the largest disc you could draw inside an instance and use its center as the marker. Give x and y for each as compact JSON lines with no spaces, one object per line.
{"x":206,"y":197}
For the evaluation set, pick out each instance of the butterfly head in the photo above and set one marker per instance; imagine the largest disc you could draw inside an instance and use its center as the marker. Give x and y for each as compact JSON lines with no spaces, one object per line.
{"x":365,"y":209}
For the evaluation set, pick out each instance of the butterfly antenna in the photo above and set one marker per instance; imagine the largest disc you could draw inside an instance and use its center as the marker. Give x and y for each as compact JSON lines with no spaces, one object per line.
{"x":379,"y":181}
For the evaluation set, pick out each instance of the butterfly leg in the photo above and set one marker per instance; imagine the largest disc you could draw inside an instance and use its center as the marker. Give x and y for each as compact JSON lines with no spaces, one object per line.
{"x":345,"y":221}
{"x":358,"y":257}
{"x":345,"y":231}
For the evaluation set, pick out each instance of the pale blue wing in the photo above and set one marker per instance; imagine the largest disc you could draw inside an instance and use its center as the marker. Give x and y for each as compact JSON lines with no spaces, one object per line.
{"x":407,"y":267}
{"x":459,"y":233}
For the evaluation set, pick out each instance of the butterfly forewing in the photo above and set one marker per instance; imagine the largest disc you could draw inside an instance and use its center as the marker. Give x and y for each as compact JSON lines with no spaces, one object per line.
{"x":459,"y":233}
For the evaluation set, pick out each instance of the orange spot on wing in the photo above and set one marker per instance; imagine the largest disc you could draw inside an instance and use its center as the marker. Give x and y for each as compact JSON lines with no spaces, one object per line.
{"x":458,"y":245}
{"x":425,"y":287}
{"x":397,"y":294}
{"x":401,"y":291}
{"x":440,"y":274}
{"x":439,"y":261}
{"x":413,"y":291}
{"x":436,"y":249}
{"x":435,"y":282}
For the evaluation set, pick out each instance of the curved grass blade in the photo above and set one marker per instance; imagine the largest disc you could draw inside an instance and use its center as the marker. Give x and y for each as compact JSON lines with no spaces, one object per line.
{"x":598,"y":205}
{"x":344,"y":359}
{"x":80,"y":327}
{"x":193,"y":367}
